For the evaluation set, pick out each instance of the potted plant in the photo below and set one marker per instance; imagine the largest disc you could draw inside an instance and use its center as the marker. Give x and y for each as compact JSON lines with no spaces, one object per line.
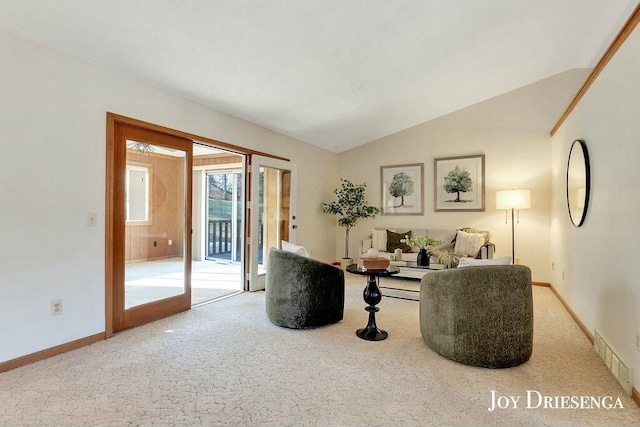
{"x":350,"y":206}
{"x":426,"y":245}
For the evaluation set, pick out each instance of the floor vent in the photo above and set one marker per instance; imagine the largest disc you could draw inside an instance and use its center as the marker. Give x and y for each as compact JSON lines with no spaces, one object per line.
{"x":612,"y":361}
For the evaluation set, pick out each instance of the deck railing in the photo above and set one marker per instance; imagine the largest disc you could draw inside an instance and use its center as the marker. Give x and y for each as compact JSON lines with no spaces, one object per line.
{"x":219,"y":235}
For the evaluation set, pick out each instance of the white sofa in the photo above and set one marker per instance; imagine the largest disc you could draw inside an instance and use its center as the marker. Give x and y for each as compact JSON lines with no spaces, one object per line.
{"x":442,"y":254}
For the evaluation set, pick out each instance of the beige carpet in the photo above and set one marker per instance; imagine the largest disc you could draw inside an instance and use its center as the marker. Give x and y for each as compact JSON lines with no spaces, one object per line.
{"x":226,"y":364}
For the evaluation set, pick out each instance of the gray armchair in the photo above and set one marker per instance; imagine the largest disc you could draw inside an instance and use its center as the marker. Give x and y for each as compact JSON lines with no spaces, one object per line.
{"x":302,"y":292}
{"x":481,"y":316}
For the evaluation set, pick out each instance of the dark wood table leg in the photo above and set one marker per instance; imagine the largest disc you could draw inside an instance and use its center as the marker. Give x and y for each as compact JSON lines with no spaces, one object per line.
{"x":372,"y":296}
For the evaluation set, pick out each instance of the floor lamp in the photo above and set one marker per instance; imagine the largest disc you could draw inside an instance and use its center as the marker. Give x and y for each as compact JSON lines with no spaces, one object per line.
{"x":514,"y":200}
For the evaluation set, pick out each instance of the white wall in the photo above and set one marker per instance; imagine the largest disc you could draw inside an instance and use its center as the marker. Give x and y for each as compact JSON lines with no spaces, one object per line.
{"x":601,"y":281}
{"x":512,"y":130}
{"x":52,"y":173}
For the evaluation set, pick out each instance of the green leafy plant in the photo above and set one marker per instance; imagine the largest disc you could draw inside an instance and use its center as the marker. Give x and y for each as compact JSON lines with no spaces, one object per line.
{"x":421,"y":241}
{"x":458,"y":181}
{"x":350,"y":207}
{"x":401,"y":185}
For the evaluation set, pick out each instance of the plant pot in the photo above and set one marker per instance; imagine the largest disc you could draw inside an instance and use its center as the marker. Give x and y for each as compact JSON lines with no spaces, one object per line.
{"x":344,"y":262}
{"x":422,"y":260}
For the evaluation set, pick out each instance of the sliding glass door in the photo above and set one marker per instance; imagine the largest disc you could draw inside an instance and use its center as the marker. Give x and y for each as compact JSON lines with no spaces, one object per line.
{"x":152,"y":274}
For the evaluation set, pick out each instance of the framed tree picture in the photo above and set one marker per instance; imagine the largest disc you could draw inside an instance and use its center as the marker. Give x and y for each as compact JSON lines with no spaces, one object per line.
{"x":459,"y":183}
{"x":402,"y":191}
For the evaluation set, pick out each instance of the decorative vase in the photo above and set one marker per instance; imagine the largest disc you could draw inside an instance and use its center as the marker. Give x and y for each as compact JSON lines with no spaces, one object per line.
{"x":423,"y":258}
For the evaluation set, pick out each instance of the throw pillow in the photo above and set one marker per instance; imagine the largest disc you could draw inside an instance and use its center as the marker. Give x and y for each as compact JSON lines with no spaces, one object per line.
{"x":470,"y":262}
{"x":379,"y":240}
{"x":487,"y":235}
{"x":468,"y":243}
{"x":290,"y":247}
{"x":393,"y":241}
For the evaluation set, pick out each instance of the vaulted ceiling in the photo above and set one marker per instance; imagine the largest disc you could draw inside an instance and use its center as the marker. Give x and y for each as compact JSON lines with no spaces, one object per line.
{"x":333,"y":73}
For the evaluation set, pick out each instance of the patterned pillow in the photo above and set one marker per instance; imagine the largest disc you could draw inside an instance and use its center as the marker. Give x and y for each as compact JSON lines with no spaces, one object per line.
{"x":393,"y":241}
{"x":469,"y":243}
{"x":487,"y":235}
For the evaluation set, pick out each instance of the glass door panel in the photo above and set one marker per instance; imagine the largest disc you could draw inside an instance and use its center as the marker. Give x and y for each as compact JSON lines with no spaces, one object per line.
{"x":152,"y":225}
{"x":221,"y":205}
{"x":218,"y":224}
{"x":155,"y":227}
{"x":272,"y":212}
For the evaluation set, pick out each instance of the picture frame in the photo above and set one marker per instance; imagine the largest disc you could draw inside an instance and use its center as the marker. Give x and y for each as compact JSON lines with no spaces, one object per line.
{"x":459,"y":184}
{"x":402,"y":189}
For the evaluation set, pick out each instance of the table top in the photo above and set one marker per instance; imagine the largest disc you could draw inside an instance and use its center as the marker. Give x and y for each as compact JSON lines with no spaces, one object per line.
{"x":391,"y":270}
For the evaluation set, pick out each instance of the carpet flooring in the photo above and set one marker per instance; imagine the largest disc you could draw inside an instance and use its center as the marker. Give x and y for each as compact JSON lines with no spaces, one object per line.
{"x":225,"y":364}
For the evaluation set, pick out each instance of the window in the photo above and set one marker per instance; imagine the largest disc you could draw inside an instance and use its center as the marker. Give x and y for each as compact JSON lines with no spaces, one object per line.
{"x":137,"y":193}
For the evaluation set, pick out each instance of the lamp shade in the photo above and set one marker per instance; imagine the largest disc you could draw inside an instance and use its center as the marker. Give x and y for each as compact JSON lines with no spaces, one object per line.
{"x":513,"y":199}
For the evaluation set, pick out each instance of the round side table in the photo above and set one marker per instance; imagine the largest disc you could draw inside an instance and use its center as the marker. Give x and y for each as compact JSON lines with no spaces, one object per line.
{"x":372,"y":296}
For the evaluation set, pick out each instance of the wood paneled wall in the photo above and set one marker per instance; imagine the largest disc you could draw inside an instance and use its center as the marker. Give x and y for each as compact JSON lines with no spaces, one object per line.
{"x":216,"y":159}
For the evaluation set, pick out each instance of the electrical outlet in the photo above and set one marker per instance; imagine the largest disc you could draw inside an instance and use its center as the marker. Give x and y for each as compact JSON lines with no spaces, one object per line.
{"x":92,"y":219}
{"x":170,"y":242}
{"x":155,"y":243}
{"x":56,"y":307}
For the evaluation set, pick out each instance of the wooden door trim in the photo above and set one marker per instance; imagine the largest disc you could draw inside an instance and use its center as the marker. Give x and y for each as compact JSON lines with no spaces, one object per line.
{"x":165,"y":307}
{"x":114,"y":226}
{"x":109,"y":225}
{"x":186,"y":135}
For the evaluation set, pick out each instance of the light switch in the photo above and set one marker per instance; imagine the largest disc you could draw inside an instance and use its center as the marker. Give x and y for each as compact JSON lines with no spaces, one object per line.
{"x":92,"y":219}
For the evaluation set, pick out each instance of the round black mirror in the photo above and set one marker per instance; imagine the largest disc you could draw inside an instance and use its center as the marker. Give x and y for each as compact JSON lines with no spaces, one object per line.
{"x":578,"y":182}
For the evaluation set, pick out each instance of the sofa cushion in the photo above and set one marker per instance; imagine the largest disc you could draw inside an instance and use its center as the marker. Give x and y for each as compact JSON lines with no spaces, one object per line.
{"x":469,"y":243}
{"x":393,"y":241}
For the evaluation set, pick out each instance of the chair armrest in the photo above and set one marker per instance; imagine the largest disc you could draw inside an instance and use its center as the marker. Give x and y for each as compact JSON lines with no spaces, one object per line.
{"x":486,"y":251}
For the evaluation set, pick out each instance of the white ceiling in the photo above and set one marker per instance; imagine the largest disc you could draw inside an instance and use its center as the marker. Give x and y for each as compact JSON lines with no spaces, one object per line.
{"x":333,"y":73}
